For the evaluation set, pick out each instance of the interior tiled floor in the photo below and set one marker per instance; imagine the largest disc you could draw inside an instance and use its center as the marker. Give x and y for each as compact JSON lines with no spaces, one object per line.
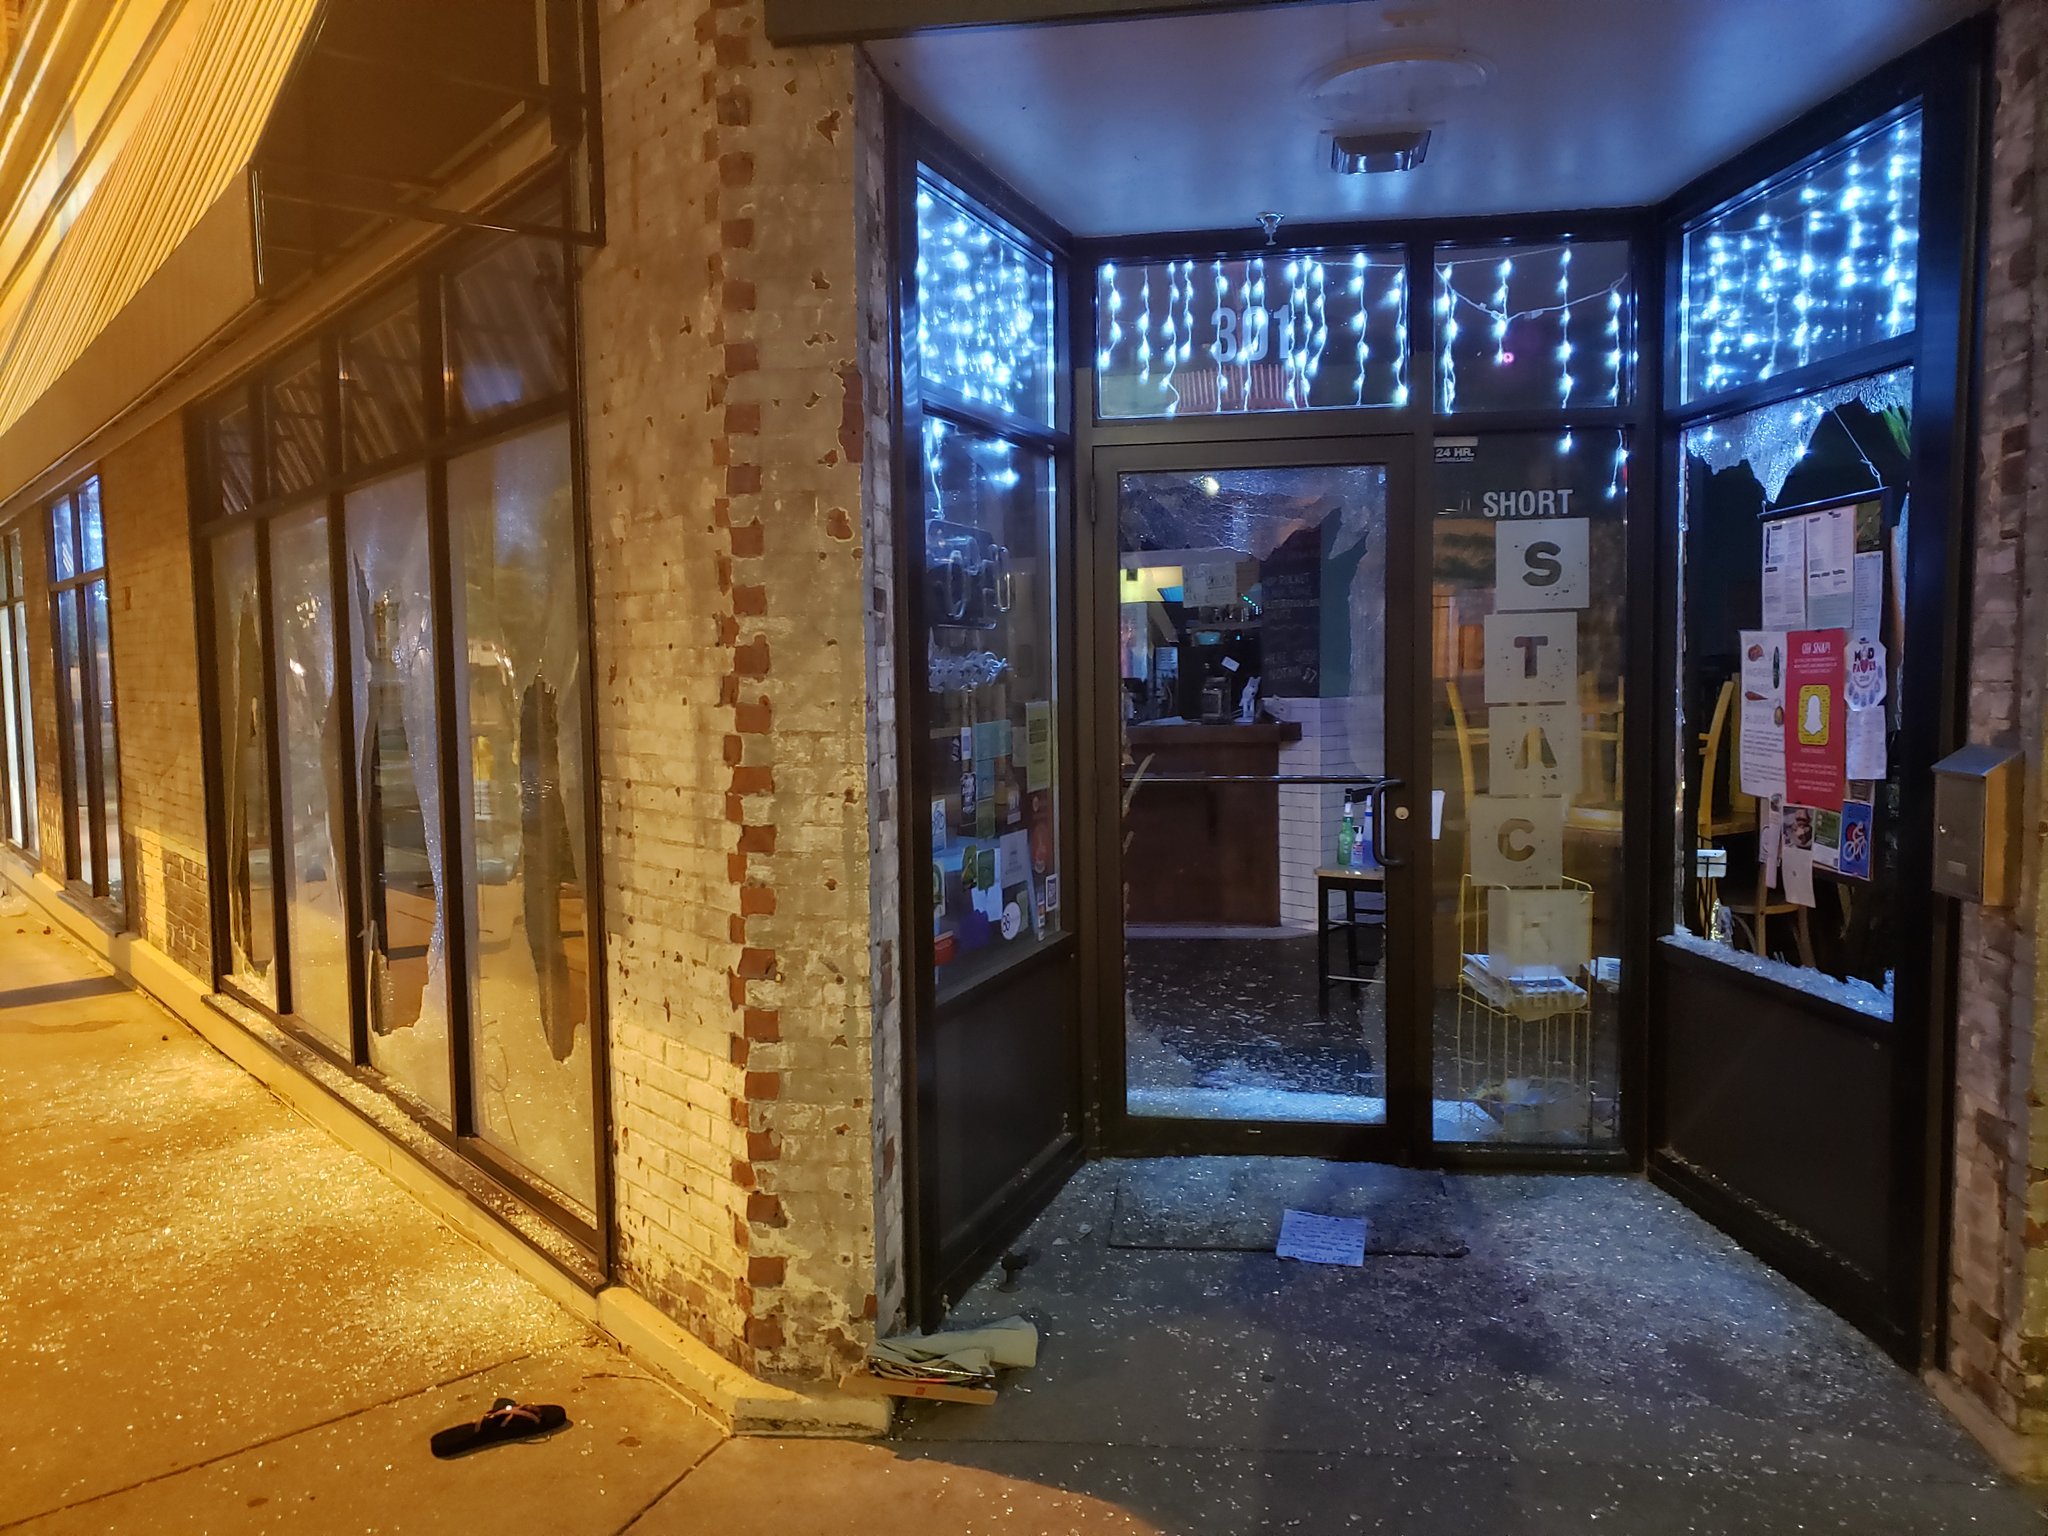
{"x":1231,"y":1028}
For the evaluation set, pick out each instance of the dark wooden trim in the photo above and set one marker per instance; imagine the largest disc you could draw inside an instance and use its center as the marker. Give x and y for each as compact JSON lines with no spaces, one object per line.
{"x":1949,"y":77}
{"x":1829,"y":1279}
{"x":597,"y":931}
{"x":1004,"y":1213}
{"x":932,"y":1271}
{"x":280,"y":964}
{"x":792,"y":23}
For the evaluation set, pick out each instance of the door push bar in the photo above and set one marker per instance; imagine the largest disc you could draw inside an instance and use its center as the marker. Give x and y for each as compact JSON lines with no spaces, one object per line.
{"x":1378,"y":789}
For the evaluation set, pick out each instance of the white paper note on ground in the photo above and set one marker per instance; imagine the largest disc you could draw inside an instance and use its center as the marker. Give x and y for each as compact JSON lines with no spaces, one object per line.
{"x":1316,"y":1239}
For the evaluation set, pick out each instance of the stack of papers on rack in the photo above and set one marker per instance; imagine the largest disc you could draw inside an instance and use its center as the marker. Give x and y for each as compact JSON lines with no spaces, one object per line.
{"x":1526,"y":992}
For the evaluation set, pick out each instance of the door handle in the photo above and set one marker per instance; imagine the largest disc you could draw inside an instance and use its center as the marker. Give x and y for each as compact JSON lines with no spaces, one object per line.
{"x":1379,"y":824}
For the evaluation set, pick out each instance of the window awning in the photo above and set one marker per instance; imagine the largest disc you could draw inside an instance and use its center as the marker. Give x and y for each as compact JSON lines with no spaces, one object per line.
{"x":265,"y":139}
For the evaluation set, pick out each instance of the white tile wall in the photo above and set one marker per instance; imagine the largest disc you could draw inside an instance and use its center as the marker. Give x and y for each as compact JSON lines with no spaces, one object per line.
{"x":1337,"y":736}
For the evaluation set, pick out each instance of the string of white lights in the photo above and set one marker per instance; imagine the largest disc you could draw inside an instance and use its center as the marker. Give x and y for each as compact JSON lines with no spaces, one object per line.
{"x":1817,"y":265}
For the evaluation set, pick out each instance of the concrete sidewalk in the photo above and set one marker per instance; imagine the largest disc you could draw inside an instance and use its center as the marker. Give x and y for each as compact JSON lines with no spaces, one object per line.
{"x":214,"y":1318}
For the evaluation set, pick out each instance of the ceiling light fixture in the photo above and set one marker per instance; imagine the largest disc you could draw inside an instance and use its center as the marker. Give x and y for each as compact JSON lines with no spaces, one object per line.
{"x":1359,"y":154}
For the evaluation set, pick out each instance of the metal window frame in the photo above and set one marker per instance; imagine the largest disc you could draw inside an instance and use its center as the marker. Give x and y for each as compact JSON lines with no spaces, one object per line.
{"x":1406,"y":433}
{"x":16,"y":767}
{"x":94,"y":893}
{"x":449,"y":436}
{"x":1951,"y":81}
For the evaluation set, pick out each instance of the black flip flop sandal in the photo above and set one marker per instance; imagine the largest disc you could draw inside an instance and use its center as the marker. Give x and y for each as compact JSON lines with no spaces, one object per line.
{"x":506,"y":1421}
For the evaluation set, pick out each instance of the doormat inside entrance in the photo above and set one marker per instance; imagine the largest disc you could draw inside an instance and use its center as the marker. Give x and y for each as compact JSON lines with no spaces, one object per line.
{"x":1234,"y":1204}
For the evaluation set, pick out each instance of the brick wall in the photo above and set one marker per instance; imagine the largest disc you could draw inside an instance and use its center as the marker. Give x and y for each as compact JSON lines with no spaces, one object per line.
{"x":730,"y":593}
{"x":156,"y":693}
{"x":1998,"y":1301}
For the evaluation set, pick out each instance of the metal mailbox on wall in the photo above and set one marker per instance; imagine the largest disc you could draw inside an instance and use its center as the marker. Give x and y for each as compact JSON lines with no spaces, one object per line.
{"x":1977,"y":793}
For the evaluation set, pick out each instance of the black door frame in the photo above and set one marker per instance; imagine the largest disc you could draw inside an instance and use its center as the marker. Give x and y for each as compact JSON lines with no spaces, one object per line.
{"x":1650,"y":844}
{"x":1408,"y":434}
{"x":945,"y":1250}
{"x":1407,"y":761}
{"x":939,"y":1266}
{"x":1903,"y":1307}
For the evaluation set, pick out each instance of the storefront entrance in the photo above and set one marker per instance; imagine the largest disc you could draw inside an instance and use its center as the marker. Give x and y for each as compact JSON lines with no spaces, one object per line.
{"x":1265,"y":850}
{"x":1311,"y":605}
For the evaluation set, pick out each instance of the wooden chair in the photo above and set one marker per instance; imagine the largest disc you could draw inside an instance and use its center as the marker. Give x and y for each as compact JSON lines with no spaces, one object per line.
{"x":1739,"y":816}
{"x":1601,"y":820}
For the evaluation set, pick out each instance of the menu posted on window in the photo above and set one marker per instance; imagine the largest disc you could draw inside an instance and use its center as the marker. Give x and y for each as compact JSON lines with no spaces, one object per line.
{"x":1816,"y":723}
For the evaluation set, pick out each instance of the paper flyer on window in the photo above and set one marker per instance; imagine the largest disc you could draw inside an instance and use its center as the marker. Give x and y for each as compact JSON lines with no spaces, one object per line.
{"x":1814,"y":730}
{"x":1869,"y":616}
{"x":1762,"y":717}
{"x":1795,"y":857}
{"x":1864,"y":683}
{"x":1831,"y":568}
{"x":1864,"y":756}
{"x":1854,"y":859}
{"x":1784,"y":574}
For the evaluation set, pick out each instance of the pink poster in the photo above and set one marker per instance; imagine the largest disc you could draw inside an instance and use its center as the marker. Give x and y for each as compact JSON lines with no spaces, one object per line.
{"x":1816,"y":722}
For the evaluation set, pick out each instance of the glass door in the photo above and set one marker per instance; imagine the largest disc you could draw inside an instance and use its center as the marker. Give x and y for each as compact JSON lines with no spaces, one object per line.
{"x":1266,"y":829}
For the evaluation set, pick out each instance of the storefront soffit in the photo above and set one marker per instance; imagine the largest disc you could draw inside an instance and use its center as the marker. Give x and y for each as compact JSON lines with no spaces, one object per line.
{"x":1203,"y":121}
{"x":195,"y":125}
{"x":267,"y":138}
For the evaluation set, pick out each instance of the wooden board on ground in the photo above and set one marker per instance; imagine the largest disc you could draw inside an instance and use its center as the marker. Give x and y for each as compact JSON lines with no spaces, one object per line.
{"x":866,"y":1384}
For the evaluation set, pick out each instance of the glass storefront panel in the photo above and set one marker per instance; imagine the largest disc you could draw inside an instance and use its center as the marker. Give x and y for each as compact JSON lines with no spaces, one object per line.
{"x":312,"y":756}
{"x":383,"y":400}
{"x":1794,"y":526}
{"x":990,"y":575}
{"x":78,"y":786}
{"x":1808,"y":267}
{"x":100,"y":643}
{"x":1534,"y":327}
{"x":1528,"y":723}
{"x":63,"y":539}
{"x":1252,"y":642}
{"x":11,"y":734}
{"x":525,"y":783}
{"x":397,"y":749}
{"x":243,"y":717}
{"x":508,"y":328}
{"x":234,"y":459}
{"x":1281,"y":331}
{"x":296,"y":422}
{"x":92,"y":529}
{"x":985,"y":309}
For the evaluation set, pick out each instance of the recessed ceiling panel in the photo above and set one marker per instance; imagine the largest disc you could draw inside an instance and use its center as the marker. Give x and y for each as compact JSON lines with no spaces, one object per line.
{"x":1206,"y":121}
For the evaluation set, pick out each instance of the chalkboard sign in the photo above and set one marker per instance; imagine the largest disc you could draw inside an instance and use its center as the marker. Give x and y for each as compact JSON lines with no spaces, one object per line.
{"x":1291,"y":617}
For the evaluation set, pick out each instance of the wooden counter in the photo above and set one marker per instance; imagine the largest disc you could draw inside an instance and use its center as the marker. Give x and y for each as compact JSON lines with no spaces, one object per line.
{"x":1205,"y":853}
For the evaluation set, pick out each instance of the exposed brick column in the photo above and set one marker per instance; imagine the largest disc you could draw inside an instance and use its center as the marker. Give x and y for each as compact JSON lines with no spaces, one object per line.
{"x":723,"y":345}
{"x":1998,"y":1319}
{"x":156,"y":694}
